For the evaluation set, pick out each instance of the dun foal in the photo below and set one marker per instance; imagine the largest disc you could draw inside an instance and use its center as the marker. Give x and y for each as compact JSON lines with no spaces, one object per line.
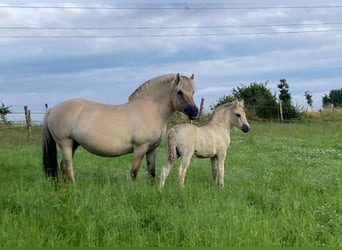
{"x":209,"y":141}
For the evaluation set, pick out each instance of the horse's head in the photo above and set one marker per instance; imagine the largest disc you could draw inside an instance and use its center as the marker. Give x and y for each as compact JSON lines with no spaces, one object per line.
{"x":238,"y":116}
{"x":182,"y":96}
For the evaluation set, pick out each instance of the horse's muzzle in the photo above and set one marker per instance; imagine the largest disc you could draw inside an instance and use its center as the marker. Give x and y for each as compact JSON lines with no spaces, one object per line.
{"x":191,"y":111}
{"x":245,"y":128}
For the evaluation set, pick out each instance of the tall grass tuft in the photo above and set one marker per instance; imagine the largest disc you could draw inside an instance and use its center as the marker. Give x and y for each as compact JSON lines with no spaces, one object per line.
{"x":324,"y":115}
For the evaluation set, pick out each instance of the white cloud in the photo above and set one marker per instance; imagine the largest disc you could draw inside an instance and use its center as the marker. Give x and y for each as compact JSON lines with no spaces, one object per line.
{"x":108,"y":70}
{"x":218,"y":90}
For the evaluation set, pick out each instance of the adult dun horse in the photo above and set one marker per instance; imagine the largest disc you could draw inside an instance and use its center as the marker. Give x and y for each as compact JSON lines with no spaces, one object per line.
{"x":112,"y":130}
{"x":209,"y":141}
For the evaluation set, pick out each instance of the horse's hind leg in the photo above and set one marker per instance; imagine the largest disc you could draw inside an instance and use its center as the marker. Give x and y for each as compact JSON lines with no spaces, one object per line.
{"x":165,"y":171}
{"x":183,"y":167}
{"x":151,"y":164}
{"x":66,"y":163}
{"x":138,"y":155}
{"x":214,"y":168}
{"x":220,"y":160}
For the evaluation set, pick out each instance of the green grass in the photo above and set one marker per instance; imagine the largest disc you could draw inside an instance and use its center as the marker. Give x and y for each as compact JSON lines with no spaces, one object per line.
{"x":282,"y":188}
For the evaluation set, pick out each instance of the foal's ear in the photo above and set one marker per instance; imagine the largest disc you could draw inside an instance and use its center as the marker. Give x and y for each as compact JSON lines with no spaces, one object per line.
{"x":177,"y":78}
{"x":192,"y":76}
{"x":242,"y":103}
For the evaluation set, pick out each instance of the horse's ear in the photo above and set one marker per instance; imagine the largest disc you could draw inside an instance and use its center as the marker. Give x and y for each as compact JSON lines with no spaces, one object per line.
{"x":177,"y":78}
{"x":192,"y":76}
{"x":242,"y":103}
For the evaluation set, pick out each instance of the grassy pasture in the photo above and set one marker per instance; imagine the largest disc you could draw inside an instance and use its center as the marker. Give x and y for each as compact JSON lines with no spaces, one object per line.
{"x":283,"y":187}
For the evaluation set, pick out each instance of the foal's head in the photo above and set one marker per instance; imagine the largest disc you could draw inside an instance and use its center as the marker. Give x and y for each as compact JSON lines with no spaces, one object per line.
{"x":182,"y":95}
{"x":238,"y":116}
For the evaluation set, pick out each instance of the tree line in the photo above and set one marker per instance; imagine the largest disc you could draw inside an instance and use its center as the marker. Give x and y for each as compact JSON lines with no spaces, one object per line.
{"x":260,"y":103}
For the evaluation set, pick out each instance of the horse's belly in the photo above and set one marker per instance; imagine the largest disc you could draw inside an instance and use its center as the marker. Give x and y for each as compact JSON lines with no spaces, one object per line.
{"x":105,"y":145}
{"x":205,"y":148}
{"x":200,"y":153}
{"x":107,"y":151}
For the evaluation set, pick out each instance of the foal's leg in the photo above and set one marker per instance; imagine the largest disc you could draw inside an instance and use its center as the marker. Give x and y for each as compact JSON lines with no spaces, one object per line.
{"x":186,"y":158}
{"x":138,"y":155}
{"x":151,"y":164}
{"x":214,"y":166}
{"x":220,"y":160}
{"x":165,"y":171}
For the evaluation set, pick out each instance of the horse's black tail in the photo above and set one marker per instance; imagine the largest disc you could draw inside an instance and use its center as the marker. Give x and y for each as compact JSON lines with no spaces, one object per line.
{"x":50,"y":164}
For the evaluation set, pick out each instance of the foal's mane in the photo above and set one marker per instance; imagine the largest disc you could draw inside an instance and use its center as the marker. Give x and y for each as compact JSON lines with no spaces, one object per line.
{"x":159,"y":80}
{"x":219,"y":108}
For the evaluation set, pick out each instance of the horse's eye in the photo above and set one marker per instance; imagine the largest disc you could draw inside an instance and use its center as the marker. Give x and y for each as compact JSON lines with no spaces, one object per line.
{"x":238,"y":115}
{"x":179,"y":92}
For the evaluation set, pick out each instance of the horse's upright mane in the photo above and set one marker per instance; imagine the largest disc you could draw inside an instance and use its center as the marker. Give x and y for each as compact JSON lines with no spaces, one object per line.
{"x":218,"y":108}
{"x":150,"y":83}
{"x":223,"y":106}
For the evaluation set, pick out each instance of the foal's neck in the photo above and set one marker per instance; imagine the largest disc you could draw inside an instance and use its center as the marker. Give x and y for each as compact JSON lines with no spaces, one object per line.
{"x":220,"y":120}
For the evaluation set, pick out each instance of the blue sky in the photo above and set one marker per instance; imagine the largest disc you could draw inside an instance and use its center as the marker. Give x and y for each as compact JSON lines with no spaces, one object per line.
{"x":224,"y":43}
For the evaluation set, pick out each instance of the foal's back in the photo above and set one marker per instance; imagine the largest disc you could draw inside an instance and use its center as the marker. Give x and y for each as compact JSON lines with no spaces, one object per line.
{"x":205,"y":141}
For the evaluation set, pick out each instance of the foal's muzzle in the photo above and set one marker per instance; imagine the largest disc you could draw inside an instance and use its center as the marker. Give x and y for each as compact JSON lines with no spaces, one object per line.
{"x":245,"y":128}
{"x":191,"y":111}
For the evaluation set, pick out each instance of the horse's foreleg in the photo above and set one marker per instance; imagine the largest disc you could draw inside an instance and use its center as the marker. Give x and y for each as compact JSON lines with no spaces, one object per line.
{"x":214,"y":167}
{"x":138,"y":155}
{"x":151,"y":164}
{"x":183,"y":167}
{"x":220,"y":161}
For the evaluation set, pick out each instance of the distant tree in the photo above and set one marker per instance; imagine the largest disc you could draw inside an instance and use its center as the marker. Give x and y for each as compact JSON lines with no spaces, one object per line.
{"x":259,"y":101}
{"x":308,"y":98}
{"x":284,"y":95}
{"x":334,"y":97}
{"x":222,"y":100}
{"x":326,"y":100}
{"x":289,"y":111}
{"x":4,"y":110}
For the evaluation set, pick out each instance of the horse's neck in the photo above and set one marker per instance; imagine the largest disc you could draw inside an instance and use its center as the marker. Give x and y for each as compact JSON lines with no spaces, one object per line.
{"x":165,"y":107}
{"x":158,"y":104}
{"x":220,"y":122}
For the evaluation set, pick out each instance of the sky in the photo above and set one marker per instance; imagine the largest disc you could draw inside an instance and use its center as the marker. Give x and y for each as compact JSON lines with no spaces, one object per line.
{"x":51,"y":51}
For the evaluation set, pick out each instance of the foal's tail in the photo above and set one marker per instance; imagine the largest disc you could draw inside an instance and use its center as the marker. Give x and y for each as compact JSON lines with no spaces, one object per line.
{"x":50,"y":163}
{"x":171,"y":157}
{"x":172,"y":146}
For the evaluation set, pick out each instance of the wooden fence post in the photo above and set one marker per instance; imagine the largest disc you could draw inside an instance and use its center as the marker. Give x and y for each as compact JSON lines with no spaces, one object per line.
{"x":201,"y":108}
{"x":28,"y":121}
{"x":281,"y":111}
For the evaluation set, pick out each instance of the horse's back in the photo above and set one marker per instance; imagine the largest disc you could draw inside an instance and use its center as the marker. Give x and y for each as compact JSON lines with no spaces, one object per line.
{"x":100,"y":128}
{"x":78,"y":110}
{"x":184,"y":134}
{"x":182,"y":130}
{"x":63,"y":116}
{"x":69,"y":116}
{"x":204,"y":140}
{"x":71,"y":106}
